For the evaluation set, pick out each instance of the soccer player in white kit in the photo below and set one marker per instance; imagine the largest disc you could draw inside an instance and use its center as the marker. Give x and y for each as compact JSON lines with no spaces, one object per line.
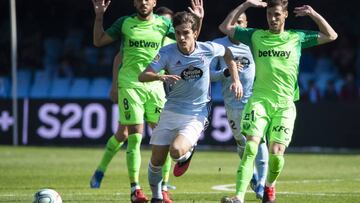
{"x":187,"y":106}
{"x":219,"y":71}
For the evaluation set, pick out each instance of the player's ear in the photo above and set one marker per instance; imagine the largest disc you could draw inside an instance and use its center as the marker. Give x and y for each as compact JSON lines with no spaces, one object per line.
{"x":154,"y":3}
{"x":196,"y":34}
{"x":286,"y":13}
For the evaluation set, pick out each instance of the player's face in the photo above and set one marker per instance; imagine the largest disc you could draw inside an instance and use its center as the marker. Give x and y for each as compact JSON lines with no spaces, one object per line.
{"x":276,"y":17}
{"x":185,"y":38}
{"x":144,"y":7}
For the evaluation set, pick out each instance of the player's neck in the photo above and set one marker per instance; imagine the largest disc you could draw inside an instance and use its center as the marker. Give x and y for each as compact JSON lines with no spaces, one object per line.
{"x":187,"y":50}
{"x":234,"y":41}
{"x":282,"y":29}
{"x":148,"y":17}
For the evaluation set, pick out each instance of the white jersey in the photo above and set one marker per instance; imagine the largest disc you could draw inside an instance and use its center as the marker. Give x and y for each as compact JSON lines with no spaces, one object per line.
{"x":242,"y":54}
{"x":191,"y":94}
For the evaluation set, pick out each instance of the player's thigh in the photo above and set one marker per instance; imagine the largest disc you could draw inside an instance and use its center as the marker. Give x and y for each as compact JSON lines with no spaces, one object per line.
{"x":282,"y":125}
{"x":165,"y":132}
{"x":255,"y":119}
{"x":234,"y":119}
{"x":190,"y":128}
{"x":154,"y":105}
{"x":131,"y":106}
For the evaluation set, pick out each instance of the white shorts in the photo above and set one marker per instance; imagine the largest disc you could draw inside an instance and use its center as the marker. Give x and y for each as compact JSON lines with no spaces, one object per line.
{"x":172,"y":124}
{"x":234,"y":118}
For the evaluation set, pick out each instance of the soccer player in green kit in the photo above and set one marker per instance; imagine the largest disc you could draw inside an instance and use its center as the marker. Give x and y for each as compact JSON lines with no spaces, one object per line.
{"x":271,"y":108}
{"x":113,"y":145}
{"x":142,"y":35}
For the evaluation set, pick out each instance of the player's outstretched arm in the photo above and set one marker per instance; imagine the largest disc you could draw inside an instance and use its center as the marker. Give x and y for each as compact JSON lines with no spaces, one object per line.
{"x":100,"y":37}
{"x":228,"y":25}
{"x":197,"y":8}
{"x":236,"y":84}
{"x":149,"y":75}
{"x":327,"y":33}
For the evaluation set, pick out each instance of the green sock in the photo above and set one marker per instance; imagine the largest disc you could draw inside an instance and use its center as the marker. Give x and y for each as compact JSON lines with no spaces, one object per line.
{"x":166,"y":169}
{"x":133,"y":157}
{"x":246,"y":168}
{"x":112,"y":147}
{"x":276,"y":164}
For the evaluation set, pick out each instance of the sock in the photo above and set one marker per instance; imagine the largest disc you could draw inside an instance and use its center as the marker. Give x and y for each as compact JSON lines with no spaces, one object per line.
{"x":133,"y":157}
{"x":134,"y":186}
{"x":112,"y":147}
{"x":276,"y":164}
{"x":155,"y":180}
{"x":261,"y":163}
{"x":185,"y":156}
{"x":165,"y":172}
{"x":246,"y":169}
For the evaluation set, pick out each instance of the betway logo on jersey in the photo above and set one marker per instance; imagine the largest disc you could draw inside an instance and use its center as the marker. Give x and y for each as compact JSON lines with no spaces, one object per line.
{"x":273,"y":53}
{"x":143,"y":44}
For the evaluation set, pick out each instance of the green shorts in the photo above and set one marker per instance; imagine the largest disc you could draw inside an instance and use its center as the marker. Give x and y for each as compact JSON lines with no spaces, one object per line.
{"x":262,"y":117}
{"x":139,"y":104}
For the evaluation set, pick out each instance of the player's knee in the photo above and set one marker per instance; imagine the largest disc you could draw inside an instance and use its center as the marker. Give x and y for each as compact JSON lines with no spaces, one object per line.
{"x":176,"y":152}
{"x":251,"y":148}
{"x":157,"y":162}
{"x":277,"y":148}
{"x":121,"y":136}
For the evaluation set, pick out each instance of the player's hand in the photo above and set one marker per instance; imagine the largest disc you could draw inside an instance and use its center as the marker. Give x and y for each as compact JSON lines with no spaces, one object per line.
{"x":305,"y":10}
{"x":239,"y":66}
{"x":100,"y":6}
{"x":237,"y":88}
{"x":114,"y":94}
{"x":256,"y":3}
{"x":169,"y":78}
{"x":197,"y":8}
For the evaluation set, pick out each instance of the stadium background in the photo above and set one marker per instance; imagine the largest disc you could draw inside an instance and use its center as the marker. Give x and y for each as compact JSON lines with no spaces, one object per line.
{"x":62,"y":75}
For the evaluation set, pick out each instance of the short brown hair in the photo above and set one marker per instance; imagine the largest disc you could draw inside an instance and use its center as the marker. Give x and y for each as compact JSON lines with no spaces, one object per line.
{"x":164,"y":11}
{"x":282,"y":3}
{"x":186,"y":17}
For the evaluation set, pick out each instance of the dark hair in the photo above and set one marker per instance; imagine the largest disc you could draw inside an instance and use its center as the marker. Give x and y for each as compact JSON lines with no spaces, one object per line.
{"x":186,"y":17}
{"x":164,"y":11}
{"x":282,"y":3}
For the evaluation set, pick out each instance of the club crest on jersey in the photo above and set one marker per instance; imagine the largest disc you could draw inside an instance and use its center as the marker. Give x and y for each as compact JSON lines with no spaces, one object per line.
{"x":191,"y":73}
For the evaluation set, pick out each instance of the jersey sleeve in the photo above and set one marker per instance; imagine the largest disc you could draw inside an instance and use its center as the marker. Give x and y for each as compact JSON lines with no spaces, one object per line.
{"x":160,"y":61}
{"x":170,"y":33}
{"x":216,"y":73}
{"x":308,"y":38}
{"x":217,"y":49}
{"x":244,"y":34}
{"x":115,"y":30}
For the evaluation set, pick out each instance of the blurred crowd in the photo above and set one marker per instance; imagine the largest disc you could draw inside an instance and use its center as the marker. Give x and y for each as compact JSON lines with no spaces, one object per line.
{"x":57,"y":40}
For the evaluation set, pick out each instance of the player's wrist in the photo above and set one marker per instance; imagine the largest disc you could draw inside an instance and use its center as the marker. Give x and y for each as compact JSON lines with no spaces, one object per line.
{"x":99,"y":17}
{"x":160,"y":77}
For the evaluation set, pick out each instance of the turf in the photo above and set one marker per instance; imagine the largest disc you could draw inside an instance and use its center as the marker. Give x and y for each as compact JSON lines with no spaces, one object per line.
{"x":309,"y":178}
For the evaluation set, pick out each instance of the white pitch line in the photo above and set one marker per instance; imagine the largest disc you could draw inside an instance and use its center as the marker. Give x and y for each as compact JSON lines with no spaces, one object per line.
{"x":231,"y":187}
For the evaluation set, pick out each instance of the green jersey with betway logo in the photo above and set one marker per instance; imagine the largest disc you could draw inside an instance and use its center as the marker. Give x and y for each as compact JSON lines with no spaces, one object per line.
{"x":277,"y":58}
{"x":140,"y":42}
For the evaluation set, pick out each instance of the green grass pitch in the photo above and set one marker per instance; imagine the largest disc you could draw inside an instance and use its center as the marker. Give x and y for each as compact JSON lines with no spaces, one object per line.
{"x":309,"y":178}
